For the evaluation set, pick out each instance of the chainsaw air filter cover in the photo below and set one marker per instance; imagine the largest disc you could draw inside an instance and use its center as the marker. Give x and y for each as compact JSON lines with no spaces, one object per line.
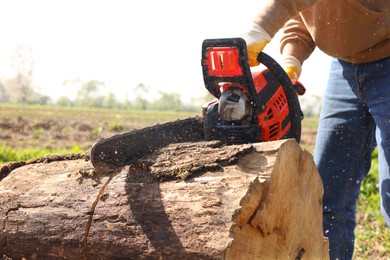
{"x":274,"y":121}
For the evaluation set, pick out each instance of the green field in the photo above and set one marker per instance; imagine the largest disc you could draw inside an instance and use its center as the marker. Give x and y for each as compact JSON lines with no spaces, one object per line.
{"x":372,"y":234}
{"x":33,"y":130}
{"x":96,"y":114}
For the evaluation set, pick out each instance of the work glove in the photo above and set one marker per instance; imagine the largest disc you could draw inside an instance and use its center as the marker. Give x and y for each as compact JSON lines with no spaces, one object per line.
{"x":292,"y":66}
{"x":256,"y":39}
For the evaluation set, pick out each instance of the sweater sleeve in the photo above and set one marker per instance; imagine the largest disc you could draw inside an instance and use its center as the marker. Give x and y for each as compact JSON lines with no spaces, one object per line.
{"x":274,"y":14}
{"x":295,"y":40}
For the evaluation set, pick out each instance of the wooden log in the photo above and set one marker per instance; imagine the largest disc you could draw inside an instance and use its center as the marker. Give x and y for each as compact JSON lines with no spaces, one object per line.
{"x":186,"y":201}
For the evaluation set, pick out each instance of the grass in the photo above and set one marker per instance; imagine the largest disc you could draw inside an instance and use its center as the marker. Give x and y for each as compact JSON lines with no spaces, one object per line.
{"x":8,"y":154}
{"x":116,"y":127}
{"x":96,"y":114}
{"x":372,"y":233}
{"x":310,"y":122}
{"x":37,"y":132}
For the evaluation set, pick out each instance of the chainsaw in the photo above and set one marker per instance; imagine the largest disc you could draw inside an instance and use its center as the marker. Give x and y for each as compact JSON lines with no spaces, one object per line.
{"x":248,"y":108}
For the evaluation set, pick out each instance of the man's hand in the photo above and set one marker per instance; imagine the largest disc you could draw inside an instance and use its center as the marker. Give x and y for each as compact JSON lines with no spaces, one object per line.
{"x":256,"y":39}
{"x":292,"y":66}
{"x":292,"y":72}
{"x":253,"y":51}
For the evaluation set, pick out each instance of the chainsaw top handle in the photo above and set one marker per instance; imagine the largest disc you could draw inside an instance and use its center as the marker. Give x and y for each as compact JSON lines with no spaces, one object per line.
{"x":226,"y":60}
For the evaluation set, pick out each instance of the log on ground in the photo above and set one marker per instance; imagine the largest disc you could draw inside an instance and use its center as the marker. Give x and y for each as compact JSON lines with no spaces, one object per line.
{"x":186,"y":201}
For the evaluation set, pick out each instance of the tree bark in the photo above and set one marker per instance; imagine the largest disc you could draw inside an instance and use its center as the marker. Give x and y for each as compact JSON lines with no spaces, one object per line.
{"x":186,"y":201}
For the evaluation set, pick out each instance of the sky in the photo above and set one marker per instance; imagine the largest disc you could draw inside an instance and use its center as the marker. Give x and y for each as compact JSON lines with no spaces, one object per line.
{"x":125,"y":43}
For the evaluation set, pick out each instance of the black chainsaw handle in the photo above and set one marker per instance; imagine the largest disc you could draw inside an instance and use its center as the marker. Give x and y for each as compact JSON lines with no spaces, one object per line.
{"x":289,"y":89}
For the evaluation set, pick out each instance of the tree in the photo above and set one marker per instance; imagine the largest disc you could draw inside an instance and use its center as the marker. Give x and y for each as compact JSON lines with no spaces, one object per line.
{"x":168,"y":101}
{"x":87,"y":95}
{"x":4,"y":97}
{"x":142,"y":92}
{"x":64,"y":101}
{"x":45,"y":100}
{"x":22,"y":84}
{"x":141,"y":103}
{"x":110,"y":101}
{"x":127,"y":103}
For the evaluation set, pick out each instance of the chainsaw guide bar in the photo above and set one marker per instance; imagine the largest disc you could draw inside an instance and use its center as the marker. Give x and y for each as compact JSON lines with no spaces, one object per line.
{"x":119,"y":150}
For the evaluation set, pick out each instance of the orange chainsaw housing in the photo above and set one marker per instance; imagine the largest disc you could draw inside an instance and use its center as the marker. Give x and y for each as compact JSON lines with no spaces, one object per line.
{"x":273,"y":121}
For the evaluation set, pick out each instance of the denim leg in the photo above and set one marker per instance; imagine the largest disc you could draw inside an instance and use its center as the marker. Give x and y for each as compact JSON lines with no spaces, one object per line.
{"x":345,"y":141}
{"x":375,"y":79}
{"x":384,"y":178}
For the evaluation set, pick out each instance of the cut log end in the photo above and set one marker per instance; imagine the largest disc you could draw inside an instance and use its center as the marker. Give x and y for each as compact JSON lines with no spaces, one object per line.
{"x":258,"y":201}
{"x":285,"y":217}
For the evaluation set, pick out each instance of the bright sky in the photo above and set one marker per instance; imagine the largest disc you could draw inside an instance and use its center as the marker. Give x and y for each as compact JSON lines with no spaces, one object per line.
{"x":124,"y":43}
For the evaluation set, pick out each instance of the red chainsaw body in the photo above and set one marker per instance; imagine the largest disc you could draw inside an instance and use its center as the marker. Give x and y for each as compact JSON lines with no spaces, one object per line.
{"x":272,"y":119}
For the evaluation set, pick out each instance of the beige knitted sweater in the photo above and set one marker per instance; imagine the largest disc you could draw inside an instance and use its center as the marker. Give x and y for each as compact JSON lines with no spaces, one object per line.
{"x":356,"y":31}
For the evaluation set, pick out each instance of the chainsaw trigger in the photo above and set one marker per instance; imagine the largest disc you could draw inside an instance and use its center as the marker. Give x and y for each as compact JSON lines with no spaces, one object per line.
{"x":299,"y":88}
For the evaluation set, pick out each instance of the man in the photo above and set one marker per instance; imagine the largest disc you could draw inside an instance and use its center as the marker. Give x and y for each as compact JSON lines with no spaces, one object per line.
{"x":355,"y":116}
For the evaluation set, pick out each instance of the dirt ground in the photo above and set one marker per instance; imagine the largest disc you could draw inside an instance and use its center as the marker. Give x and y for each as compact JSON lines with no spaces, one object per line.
{"x":24,"y":133}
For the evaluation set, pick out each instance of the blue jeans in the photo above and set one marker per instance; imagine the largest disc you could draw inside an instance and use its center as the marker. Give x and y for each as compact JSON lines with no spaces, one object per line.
{"x":355,"y":118}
